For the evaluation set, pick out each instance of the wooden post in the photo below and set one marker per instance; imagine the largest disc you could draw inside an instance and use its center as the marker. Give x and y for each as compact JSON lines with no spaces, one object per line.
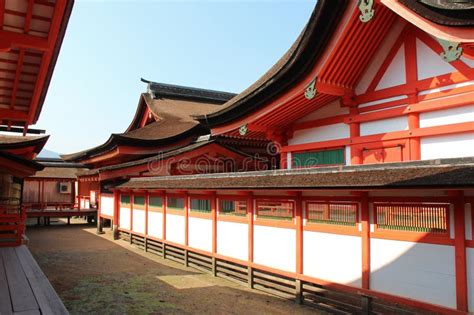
{"x":116,"y":214}
{"x":214,"y":232}
{"x":250,"y":215}
{"x":299,"y":246}
{"x":365,"y":221}
{"x":415,"y":149}
{"x":460,"y":252}
{"x":186,"y":219}
{"x":165,"y":203}
{"x":100,"y":221}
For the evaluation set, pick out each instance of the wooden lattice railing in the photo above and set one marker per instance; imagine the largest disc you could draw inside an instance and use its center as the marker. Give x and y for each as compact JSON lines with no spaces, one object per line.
{"x":12,"y":224}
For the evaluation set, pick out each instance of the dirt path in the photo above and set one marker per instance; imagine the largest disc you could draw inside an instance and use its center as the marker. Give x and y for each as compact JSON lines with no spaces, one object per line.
{"x":96,"y":275}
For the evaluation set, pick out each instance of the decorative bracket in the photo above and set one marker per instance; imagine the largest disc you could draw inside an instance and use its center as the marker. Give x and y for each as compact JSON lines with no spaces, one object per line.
{"x":243,"y":130}
{"x":366,"y":10}
{"x":310,"y":91}
{"x":451,"y":52}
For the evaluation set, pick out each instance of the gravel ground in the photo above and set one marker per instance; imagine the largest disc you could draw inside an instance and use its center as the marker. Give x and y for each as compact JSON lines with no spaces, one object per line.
{"x":96,"y":275}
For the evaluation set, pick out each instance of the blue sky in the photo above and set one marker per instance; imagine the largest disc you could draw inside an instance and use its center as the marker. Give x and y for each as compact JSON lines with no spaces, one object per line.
{"x":110,"y":45}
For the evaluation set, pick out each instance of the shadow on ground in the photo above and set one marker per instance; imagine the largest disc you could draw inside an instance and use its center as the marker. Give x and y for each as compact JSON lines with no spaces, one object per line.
{"x":96,"y":275}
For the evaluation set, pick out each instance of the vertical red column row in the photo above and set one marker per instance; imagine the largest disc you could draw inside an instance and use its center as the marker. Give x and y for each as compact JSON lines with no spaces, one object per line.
{"x":460,"y":251}
{"x":365,"y":221}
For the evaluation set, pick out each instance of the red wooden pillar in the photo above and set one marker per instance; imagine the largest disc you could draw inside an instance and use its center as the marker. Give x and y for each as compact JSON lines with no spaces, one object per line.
{"x":365,"y":222}
{"x":131,"y":211}
{"x":214,"y":222}
{"x":164,"y":215}
{"x":299,"y":246}
{"x":415,"y":146}
{"x":116,"y":213}
{"x":186,"y":219}
{"x":147,"y":196}
{"x":354,"y":130}
{"x":250,"y":221}
{"x":299,"y":233}
{"x":78,"y":194}
{"x":73,"y":193}
{"x":460,"y":252}
{"x":283,"y":160}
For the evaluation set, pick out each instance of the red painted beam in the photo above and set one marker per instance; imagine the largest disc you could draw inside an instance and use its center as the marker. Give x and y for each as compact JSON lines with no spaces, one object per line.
{"x":59,"y":10}
{"x":18,"y":40}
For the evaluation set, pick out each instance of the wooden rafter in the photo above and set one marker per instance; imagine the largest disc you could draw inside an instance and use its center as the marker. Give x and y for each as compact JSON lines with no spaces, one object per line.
{"x":2,"y":11}
{"x":21,"y":56}
{"x":58,"y":14}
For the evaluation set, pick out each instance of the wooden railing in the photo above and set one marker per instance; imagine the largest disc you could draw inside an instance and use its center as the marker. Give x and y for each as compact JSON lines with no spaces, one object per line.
{"x":12,"y":224}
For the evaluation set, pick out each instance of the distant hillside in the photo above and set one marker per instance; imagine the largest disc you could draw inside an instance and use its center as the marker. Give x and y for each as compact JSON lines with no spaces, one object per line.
{"x":48,"y":154}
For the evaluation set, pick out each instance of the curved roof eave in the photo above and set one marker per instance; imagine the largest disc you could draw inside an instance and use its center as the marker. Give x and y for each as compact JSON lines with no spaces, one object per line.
{"x":296,"y":62}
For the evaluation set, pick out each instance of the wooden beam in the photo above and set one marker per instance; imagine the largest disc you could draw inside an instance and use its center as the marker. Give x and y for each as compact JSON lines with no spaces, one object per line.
{"x":54,"y":30}
{"x":19,"y":65}
{"x":25,"y":41}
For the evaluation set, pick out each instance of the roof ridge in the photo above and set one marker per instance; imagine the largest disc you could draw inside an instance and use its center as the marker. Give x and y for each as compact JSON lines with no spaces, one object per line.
{"x":157,"y":89}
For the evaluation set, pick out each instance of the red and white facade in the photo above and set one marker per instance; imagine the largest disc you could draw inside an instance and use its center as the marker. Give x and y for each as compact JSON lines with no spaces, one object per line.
{"x":380,"y":91}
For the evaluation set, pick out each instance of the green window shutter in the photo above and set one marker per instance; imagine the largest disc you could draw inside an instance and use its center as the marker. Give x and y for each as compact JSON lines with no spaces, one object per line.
{"x":175,"y":203}
{"x":328,"y":157}
{"x":125,"y":200}
{"x":156,"y":202}
{"x":201,"y":205}
{"x":139,"y":200}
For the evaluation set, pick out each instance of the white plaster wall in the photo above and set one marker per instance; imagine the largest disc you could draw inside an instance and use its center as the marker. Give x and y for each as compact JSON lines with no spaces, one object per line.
{"x":125,"y":217}
{"x":138,"y":221}
{"x":384,"y":126}
{"x":232,"y":239}
{"x":468,"y":221}
{"x":380,"y":56}
{"x":155,"y":224}
{"x":326,"y":256}
{"x":200,"y":233}
{"x":175,"y":228}
{"x":107,"y":205}
{"x":395,"y":73}
{"x":448,"y":146}
{"x":447,"y":116}
{"x":324,"y":133}
{"x":430,"y":63}
{"x":470,"y":277}
{"x":417,"y":271}
{"x":348,"y":155}
{"x":275,"y":247}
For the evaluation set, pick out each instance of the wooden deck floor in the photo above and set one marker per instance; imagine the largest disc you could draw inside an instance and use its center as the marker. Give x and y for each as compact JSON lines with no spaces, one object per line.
{"x":24,"y":289}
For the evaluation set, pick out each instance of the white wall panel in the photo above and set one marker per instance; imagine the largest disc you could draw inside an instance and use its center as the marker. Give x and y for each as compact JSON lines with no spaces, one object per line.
{"x":107,"y":205}
{"x":200,"y":233}
{"x":175,"y":228}
{"x":138,"y":221}
{"x":429,"y":62}
{"x":326,"y":256}
{"x":155,"y":224}
{"x":448,"y":146}
{"x":125,"y":217}
{"x":423,"y":272}
{"x":470,"y":277}
{"x":232,"y":239}
{"x":324,"y":133}
{"x":447,"y":116}
{"x":395,"y":73}
{"x":384,"y":126}
{"x":275,"y":247}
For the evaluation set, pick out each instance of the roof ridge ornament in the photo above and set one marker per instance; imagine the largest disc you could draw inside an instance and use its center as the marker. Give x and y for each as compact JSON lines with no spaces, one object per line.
{"x":366,"y":10}
{"x":311,"y":91}
{"x":451,"y":52}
